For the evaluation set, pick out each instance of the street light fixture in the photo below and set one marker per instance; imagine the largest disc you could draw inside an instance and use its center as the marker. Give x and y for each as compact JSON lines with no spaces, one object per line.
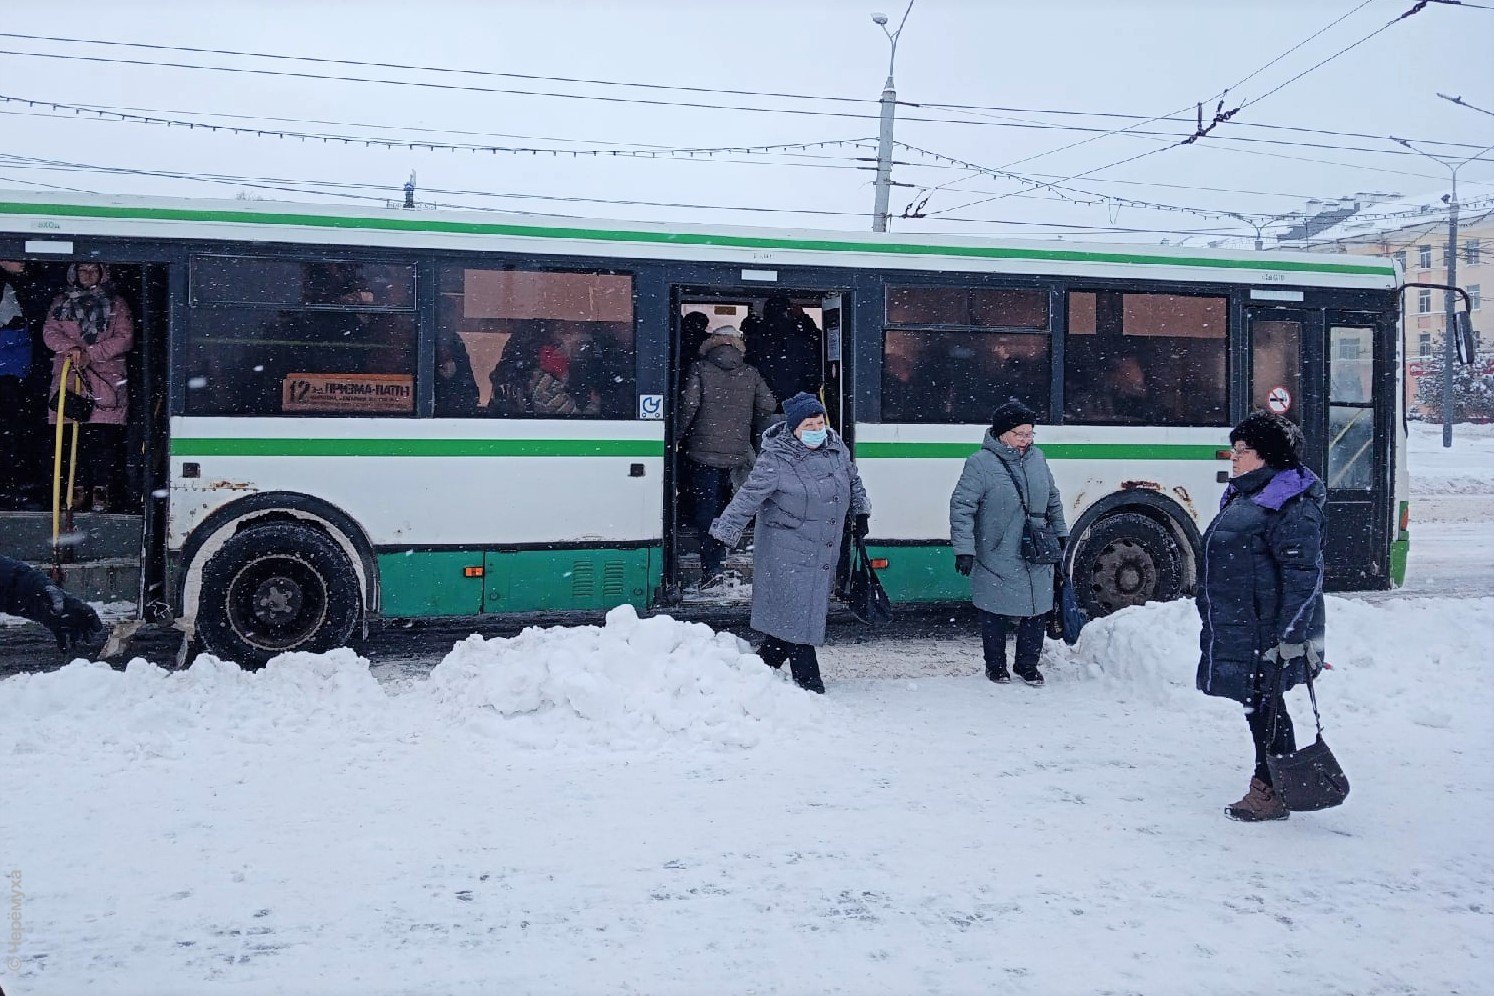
{"x":884,"y":133}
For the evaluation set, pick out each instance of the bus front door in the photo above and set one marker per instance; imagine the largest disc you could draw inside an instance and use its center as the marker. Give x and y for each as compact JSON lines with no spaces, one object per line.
{"x":1320,"y":370}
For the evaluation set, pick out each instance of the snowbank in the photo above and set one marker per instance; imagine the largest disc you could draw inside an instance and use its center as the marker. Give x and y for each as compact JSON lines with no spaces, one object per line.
{"x":634,"y":682}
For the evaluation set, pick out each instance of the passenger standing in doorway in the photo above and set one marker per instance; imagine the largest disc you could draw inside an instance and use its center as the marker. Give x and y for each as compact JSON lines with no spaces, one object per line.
{"x":92,"y":326}
{"x":986,"y":522}
{"x":802,"y":488}
{"x":722,"y":398}
{"x":16,"y":357}
{"x":1260,"y":596}
{"x":785,"y":348}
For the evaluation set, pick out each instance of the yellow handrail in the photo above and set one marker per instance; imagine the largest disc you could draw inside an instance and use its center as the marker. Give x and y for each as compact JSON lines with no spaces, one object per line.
{"x":72,"y":465}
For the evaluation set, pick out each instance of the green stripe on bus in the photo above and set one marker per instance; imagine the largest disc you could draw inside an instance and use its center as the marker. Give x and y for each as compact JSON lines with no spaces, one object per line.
{"x":202,"y":447}
{"x":1055,"y":451}
{"x":679,"y":238}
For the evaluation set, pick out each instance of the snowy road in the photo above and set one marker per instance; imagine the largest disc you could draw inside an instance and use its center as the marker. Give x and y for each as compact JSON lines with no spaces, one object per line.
{"x":310,"y":833}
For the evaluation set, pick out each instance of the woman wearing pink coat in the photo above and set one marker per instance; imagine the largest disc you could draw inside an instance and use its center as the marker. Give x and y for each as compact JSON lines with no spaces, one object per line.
{"x":92,"y":325}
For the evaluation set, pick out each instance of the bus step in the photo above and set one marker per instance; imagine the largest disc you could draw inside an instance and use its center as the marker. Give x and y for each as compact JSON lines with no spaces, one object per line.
{"x":113,"y":579}
{"x":28,"y":536}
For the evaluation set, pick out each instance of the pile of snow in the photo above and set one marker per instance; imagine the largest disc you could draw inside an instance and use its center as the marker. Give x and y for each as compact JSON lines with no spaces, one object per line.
{"x":146,"y":710}
{"x":631,"y":682}
{"x":1376,"y":652}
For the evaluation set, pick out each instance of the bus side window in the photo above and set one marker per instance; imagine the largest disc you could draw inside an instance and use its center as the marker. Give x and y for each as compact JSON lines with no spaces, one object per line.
{"x":515,"y":343}
{"x":953,"y":354}
{"x":275,"y":336}
{"x":1146,"y":359}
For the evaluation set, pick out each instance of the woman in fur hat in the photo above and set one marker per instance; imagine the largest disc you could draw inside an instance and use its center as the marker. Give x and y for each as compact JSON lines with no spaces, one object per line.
{"x":1260,"y":593}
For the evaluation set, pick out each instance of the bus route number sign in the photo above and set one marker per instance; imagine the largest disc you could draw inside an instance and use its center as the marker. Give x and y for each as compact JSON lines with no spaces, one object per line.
{"x":1279,"y":400}
{"x":349,"y":392}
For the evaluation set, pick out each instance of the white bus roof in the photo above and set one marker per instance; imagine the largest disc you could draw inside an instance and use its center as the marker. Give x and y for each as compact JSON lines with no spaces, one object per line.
{"x":56,"y":217}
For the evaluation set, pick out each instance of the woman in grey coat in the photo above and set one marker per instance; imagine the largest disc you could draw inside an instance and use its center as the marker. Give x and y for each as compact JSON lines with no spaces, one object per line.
{"x":985,"y":528}
{"x":801,"y":489}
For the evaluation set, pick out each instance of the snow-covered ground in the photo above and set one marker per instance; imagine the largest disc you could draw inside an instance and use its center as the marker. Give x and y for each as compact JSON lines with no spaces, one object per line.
{"x":644,"y":809}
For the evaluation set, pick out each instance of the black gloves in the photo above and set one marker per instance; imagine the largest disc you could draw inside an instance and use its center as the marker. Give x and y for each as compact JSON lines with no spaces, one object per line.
{"x":965,"y":563}
{"x":859,"y":526}
{"x":71,"y":620}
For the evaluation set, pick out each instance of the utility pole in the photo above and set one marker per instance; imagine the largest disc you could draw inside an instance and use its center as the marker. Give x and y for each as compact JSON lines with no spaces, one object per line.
{"x":884,"y":133}
{"x":1449,"y":350}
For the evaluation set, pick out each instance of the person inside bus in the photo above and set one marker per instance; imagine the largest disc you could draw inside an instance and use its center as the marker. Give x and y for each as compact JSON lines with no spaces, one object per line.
{"x":785,"y":349}
{"x":530,"y":377}
{"x":694,"y":330}
{"x":456,"y":384}
{"x":15,"y":369}
{"x":90,"y":329}
{"x":722,"y":397}
{"x":26,"y":292}
{"x":1118,"y":395}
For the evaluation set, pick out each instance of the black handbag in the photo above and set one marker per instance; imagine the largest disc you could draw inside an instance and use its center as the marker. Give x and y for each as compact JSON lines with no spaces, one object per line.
{"x":1311,"y":778}
{"x":71,"y":405}
{"x":1039,"y":543}
{"x":865,"y":596}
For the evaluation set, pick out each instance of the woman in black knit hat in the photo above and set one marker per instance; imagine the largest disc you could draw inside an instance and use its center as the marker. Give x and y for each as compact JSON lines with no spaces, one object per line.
{"x":1260,"y":592}
{"x":1003,"y":484}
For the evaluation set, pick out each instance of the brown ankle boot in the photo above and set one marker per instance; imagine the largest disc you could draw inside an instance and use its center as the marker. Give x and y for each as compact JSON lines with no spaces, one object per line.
{"x":1260,"y":803}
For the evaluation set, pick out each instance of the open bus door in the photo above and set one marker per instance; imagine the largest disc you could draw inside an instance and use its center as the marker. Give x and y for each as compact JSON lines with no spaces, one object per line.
{"x":108,"y":549}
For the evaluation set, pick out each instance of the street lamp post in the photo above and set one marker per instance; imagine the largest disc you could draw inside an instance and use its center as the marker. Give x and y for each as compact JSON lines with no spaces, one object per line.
{"x":1449,"y":356}
{"x":884,"y":133}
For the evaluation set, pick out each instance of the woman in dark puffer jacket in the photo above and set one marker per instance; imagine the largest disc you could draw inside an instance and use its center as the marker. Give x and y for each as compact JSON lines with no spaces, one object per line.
{"x":1261,"y":592}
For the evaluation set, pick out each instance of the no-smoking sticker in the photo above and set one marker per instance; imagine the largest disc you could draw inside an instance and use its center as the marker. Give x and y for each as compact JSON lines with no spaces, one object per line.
{"x":1279,"y":400}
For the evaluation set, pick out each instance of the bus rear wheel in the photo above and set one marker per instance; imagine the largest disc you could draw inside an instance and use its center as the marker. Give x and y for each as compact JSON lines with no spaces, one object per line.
{"x":1126,"y":559}
{"x":277,"y":588}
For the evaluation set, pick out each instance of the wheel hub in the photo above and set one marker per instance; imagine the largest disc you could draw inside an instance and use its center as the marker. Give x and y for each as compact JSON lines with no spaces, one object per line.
{"x":277,"y":600}
{"x":1127,"y":571}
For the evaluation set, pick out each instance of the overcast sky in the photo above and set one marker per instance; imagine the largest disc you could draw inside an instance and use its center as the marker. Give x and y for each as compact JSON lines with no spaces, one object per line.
{"x":1112,"y":56}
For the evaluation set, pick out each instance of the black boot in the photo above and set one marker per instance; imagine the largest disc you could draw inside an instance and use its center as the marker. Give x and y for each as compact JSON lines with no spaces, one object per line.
{"x":1031,"y":675}
{"x":805,"y":667}
{"x":1000,"y":675}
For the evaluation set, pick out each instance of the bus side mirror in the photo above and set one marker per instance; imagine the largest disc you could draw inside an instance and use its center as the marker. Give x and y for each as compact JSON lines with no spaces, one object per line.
{"x":1467,"y":339}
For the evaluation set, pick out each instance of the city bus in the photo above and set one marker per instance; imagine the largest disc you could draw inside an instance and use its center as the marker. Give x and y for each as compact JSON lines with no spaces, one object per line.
{"x":344,"y":415}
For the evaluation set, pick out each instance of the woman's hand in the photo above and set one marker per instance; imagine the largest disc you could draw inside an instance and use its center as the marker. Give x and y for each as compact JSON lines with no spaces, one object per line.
{"x":965,"y":563}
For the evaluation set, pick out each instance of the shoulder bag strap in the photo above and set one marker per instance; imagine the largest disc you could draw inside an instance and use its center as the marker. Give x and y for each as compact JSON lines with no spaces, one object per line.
{"x":1020,"y":496}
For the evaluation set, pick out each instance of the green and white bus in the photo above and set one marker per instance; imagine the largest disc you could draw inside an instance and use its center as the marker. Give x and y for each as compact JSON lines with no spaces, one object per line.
{"x":321,"y":432}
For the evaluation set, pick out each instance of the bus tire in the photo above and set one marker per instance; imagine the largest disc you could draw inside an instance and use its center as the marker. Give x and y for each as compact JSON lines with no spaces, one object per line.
{"x":276,"y":588}
{"x":1126,"y":559}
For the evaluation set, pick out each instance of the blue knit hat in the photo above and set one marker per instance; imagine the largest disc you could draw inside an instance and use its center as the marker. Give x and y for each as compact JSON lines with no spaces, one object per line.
{"x":800,"y":407}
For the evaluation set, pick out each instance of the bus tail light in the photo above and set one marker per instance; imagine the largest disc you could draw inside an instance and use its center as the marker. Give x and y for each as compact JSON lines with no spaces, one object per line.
{"x":879,"y":563}
{"x":472,"y":572}
{"x":1223,"y":454}
{"x":1405,"y":516}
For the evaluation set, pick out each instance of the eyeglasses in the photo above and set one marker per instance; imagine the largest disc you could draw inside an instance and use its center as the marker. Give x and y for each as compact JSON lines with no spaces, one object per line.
{"x":1240,"y":449}
{"x":1029,"y":434}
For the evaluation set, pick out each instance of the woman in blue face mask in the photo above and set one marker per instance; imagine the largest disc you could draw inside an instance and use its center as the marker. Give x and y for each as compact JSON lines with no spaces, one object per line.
{"x":801,"y":490}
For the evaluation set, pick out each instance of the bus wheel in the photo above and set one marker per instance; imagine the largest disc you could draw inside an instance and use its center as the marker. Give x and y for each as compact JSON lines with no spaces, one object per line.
{"x":1126,"y":559}
{"x":277,"y":588}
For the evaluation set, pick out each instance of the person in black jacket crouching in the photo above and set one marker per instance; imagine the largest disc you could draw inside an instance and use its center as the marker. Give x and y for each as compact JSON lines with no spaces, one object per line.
{"x":1260,"y":595}
{"x":26,"y":592}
